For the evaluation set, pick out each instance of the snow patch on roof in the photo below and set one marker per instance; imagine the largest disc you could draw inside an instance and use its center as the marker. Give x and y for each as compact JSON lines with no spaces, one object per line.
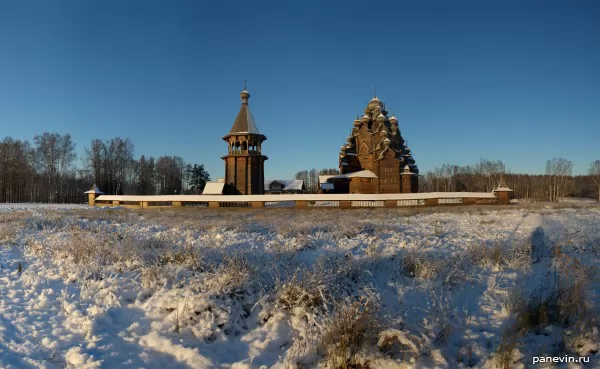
{"x":288,"y":184}
{"x":324,"y":178}
{"x":359,"y":174}
{"x":213,"y":188}
{"x":95,"y":189}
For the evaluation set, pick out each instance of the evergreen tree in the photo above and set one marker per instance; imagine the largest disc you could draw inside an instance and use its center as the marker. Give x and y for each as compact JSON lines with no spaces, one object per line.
{"x":197,"y":177}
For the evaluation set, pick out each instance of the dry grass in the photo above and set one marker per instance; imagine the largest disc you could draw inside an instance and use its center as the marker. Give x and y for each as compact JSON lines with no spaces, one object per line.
{"x":11,"y":224}
{"x":352,"y":328}
{"x":399,"y":345}
{"x":418,"y":265}
{"x":449,"y":270}
{"x":304,"y":293}
{"x":508,"y":343}
{"x":482,"y":254}
{"x":560,"y":301}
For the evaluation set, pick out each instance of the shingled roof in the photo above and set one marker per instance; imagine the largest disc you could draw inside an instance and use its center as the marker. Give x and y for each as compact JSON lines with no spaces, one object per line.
{"x":244,"y":123}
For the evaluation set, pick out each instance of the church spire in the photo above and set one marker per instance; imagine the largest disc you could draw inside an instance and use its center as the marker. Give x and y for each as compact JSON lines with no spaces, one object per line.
{"x":244,"y":122}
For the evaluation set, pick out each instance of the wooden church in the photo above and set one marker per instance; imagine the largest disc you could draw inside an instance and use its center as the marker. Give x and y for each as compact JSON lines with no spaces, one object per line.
{"x":375,"y":159}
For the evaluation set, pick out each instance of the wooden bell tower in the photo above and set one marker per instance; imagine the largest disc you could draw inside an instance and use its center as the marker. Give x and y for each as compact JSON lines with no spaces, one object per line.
{"x":244,"y":162}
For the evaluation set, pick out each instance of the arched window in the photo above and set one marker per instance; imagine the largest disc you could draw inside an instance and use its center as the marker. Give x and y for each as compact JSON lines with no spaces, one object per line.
{"x":244,"y":145}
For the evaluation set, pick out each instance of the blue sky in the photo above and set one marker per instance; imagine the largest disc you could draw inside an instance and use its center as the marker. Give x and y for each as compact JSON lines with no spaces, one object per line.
{"x":517,"y":81}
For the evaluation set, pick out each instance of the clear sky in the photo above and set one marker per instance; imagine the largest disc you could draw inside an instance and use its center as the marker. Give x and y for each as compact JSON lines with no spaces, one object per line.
{"x":517,"y":81}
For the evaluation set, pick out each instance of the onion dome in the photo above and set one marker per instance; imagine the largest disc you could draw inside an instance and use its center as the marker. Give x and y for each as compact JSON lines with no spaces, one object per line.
{"x":244,"y":95}
{"x":386,"y":142}
{"x":381,"y":118}
{"x":356,"y":123}
{"x":393,"y":119}
{"x":374,"y":103}
{"x":365,"y":119}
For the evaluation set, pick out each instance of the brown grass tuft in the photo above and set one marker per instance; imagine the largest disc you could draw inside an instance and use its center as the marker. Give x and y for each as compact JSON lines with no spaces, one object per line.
{"x":352,"y":328}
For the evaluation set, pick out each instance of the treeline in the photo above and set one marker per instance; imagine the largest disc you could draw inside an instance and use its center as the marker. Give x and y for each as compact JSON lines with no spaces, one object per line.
{"x":311,"y":177}
{"x":484,"y":176}
{"x":45,"y":171}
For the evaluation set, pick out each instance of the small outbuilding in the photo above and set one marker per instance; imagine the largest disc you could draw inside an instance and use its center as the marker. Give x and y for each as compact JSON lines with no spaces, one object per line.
{"x":279,"y":186}
{"x":92,"y":193}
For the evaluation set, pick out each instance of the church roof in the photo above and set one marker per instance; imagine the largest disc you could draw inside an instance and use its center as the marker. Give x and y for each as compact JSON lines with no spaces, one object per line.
{"x":385,"y":135}
{"x":324,"y":178}
{"x":213,"y":188}
{"x":359,"y":174}
{"x":95,"y":190}
{"x":288,"y":184}
{"x":244,"y":122}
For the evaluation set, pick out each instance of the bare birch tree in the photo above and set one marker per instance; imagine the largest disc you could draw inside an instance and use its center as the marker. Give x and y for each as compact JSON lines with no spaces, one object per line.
{"x":595,"y":173}
{"x":558,"y":170}
{"x":56,"y":153}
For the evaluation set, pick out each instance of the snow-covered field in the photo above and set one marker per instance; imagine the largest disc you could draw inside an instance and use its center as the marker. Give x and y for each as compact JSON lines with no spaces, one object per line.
{"x":486,"y":287}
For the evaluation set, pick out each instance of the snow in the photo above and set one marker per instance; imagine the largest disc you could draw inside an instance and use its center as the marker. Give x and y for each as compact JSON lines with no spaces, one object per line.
{"x":35,"y":206}
{"x":301,"y":197}
{"x":208,"y":289}
{"x":324,"y":178}
{"x":213,"y":188}
{"x":359,"y":174}
{"x":288,"y":184}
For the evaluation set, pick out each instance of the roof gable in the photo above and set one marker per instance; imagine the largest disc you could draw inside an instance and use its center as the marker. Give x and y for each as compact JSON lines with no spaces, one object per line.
{"x":287,"y":184}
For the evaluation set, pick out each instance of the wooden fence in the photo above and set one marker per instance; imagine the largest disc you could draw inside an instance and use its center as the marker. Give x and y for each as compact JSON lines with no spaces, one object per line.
{"x":304,"y":201}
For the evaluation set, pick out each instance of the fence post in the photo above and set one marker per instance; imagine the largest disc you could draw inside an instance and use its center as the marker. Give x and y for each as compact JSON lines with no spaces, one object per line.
{"x":92,"y":199}
{"x":176,"y":204}
{"x":345,"y":204}
{"x":258,"y":204}
{"x":213,"y":204}
{"x":301,"y":204}
{"x":431,"y":202}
